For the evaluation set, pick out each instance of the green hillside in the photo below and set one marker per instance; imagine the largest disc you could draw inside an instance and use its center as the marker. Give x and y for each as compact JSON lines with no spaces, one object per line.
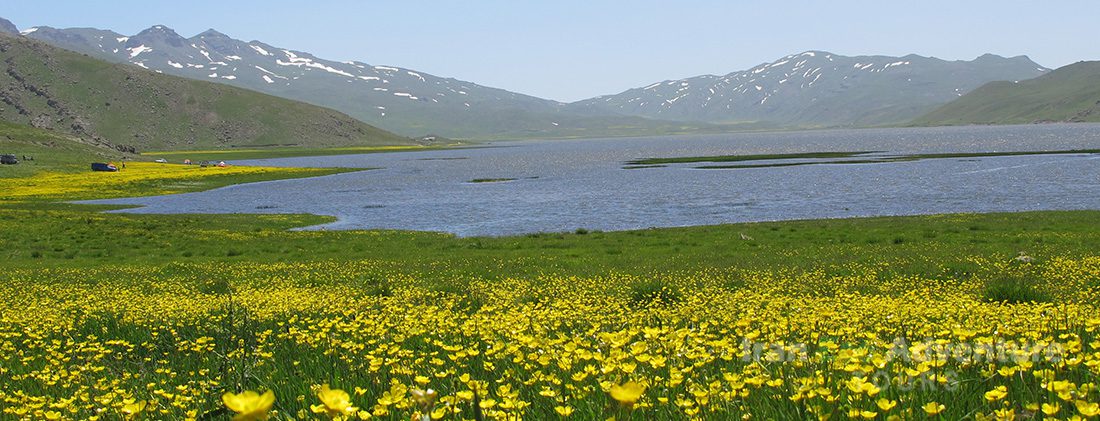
{"x":132,"y":109}
{"x":1068,"y":94}
{"x":49,"y":151}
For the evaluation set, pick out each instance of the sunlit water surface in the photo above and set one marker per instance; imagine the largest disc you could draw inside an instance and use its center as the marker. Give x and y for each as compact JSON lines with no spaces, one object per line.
{"x":562,"y":185}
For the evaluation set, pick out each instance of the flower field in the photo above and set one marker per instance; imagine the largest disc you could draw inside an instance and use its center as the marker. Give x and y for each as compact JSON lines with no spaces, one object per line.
{"x":137,"y":179}
{"x":366,"y":339}
{"x":108,"y":317}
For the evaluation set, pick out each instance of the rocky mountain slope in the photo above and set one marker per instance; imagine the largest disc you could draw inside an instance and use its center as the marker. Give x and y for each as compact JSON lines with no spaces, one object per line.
{"x":7,"y":27}
{"x":129,"y":108}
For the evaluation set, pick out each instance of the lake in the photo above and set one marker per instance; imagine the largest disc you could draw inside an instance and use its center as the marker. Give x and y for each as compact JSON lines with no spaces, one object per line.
{"x":562,"y":185}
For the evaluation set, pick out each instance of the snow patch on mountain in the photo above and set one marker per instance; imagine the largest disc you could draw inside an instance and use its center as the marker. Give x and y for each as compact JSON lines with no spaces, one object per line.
{"x":260,"y":50}
{"x":135,"y":51}
{"x":294,"y":60}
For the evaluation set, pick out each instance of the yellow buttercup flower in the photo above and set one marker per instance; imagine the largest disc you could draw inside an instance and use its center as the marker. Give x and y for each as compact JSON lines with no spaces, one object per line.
{"x":996,"y":394}
{"x":249,"y":405}
{"x":1005,"y":414}
{"x":1087,"y":409}
{"x":886,"y":404}
{"x":627,"y":393}
{"x":334,"y":402}
{"x":564,"y":411}
{"x":1050,"y":409}
{"x":131,"y":410}
{"x":933,"y":408}
{"x":861,"y":385}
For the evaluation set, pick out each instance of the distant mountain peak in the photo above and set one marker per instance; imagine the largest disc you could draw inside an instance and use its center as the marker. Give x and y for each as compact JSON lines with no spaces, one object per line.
{"x":158,"y":31}
{"x":211,"y":33}
{"x":157,"y":35}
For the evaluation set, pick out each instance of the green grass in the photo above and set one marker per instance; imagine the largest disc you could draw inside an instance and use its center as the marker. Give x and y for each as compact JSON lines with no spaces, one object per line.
{"x":50,"y":235}
{"x":1070,"y":93}
{"x":61,"y":154}
{"x":282,"y":152}
{"x":51,"y":151}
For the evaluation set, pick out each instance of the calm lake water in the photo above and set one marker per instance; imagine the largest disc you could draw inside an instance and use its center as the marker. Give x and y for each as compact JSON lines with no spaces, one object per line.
{"x":563,"y":185}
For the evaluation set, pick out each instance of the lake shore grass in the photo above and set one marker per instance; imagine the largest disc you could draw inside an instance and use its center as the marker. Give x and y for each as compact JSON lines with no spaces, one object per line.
{"x":287,"y":152}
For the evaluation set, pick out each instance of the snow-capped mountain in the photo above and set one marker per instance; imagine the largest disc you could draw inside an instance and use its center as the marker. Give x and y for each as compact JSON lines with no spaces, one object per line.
{"x":394,"y":98}
{"x":818,"y":88}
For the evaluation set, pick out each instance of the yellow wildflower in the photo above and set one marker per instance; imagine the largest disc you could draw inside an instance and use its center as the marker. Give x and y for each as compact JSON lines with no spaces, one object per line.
{"x":334,"y":402}
{"x":627,"y":393}
{"x":131,"y":410}
{"x":249,"y":405}
{"x":886,"y":404}
{"x":1087,"y":409}
{"x":933,"y":408}
{"x":1050,"y":409}
{"x":564,"y":411}
{"x":996,"y":394}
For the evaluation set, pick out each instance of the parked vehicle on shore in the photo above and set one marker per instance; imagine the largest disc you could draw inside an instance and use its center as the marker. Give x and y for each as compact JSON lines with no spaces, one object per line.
{"x":99,"y":166}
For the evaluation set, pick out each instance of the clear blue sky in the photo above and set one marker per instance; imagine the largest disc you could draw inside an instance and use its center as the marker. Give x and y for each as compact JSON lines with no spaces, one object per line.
{"x":569,"y":50}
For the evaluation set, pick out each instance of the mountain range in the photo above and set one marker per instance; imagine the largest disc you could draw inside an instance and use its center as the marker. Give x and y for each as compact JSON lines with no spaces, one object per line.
{"x":809,"y":89}
{"x":390,"y":97}
{"x":125,"y":108}
{"x":818,"y":88}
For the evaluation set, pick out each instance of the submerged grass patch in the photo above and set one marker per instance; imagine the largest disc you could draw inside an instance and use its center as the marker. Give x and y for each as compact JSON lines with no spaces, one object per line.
{"x":836,"y":158}
{"x":738,"y":158}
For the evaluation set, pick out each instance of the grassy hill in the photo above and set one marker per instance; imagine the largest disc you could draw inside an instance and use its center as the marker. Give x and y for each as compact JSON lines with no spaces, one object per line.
{"x":50,"y":151}
{"x":132,"y":109}
{"x":1068,"y":94}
